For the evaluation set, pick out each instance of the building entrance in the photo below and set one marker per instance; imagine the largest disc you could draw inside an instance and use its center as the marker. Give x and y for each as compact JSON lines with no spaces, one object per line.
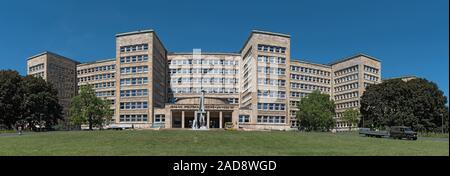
{"x":215,"y":119}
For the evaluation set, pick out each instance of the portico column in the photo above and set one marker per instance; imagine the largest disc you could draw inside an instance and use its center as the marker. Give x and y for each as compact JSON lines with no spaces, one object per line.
{"x":169,"y":120}
{"x":207,"y":118}
{"x":182,"y":119}
{"x":220,"y":119}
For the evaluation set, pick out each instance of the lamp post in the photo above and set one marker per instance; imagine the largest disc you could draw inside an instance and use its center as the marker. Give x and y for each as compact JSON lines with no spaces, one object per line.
{"x":362,"y":121}
{"x":442,"y":124}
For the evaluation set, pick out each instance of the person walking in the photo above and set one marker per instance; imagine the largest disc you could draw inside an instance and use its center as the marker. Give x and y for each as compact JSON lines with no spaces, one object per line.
{"x":20,"y":130}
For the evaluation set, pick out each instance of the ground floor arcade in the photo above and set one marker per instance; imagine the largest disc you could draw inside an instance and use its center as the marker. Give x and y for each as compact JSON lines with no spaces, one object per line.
{"x":185,"y":118}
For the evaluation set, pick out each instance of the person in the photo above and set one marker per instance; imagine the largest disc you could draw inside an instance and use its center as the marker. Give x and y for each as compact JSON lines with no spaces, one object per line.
{"x":20,"y":130}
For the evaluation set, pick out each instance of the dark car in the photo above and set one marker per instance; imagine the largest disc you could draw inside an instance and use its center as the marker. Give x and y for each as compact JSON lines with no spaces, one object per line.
{"x":400,"y":132}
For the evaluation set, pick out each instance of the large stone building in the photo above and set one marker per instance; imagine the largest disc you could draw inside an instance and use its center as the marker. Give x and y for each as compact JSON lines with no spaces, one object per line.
{"x":258,"y":87}
{"x":61,"y":72}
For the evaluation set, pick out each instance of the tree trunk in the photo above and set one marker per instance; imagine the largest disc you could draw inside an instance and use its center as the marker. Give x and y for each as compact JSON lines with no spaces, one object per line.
{"x":90,"y":123}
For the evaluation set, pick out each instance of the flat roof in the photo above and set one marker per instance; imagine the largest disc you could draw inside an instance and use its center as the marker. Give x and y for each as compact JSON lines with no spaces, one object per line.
{"x":263,"y":32}
{"x":51,"y":53}
{"x":354,"y":56}
{"x":135,"y":32}
{"x":206,"y":53}
{"x":144,"y":31}
{"x":311,"y":63}
{"x":401,"y":77}
{"x":98,"y":61}
{"x":271,"y":33}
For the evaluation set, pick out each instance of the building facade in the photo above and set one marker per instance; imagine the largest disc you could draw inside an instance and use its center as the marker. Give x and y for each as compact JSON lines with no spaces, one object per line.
{"x":258,"y":87}
{"x":61,"y":72}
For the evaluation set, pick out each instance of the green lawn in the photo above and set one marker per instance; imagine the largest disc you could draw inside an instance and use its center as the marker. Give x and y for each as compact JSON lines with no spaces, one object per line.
{"x":206,"y":143}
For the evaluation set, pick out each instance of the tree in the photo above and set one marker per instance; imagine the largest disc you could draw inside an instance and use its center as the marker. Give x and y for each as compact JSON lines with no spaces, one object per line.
{"x":417,"y":103}
{"x":40,"y":105}
{"x":316,"y":112}
{"x":86,"y":108}
{"x":11,"y":97}
{"x":351,"y":116}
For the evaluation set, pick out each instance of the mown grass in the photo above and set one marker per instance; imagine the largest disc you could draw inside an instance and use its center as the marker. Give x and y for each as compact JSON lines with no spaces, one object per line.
{"x":434,"y":135}
{"x":7,"y":131}
{"x":212,"y":143}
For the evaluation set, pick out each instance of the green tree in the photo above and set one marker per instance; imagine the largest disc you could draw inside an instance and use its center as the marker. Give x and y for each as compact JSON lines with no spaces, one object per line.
{"x":11,"y":97}
{"x":40,"y":106}
{"x":351,"y":116}
{"x":316,"y":112}
{"x":87,"y":108}
{"x":417,"y":103}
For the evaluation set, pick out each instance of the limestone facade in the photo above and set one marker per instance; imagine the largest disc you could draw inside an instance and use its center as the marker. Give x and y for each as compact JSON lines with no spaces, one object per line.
{"x":61,"y":72}
{"x":258,"y":87}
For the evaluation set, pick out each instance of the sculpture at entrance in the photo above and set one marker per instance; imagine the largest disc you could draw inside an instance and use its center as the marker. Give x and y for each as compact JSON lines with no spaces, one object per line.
{"x":199,"y":120}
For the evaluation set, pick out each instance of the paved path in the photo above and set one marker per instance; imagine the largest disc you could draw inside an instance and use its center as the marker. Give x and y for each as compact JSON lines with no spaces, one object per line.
{"x":33,"y":133}
{"x":10,"y":134}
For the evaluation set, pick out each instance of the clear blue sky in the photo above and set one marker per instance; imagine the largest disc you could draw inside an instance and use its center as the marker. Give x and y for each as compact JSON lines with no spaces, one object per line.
{"x":409,"y":36}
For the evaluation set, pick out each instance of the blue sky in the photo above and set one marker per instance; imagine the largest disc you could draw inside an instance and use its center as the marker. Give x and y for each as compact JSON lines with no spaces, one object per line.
{"x":409,"y":36}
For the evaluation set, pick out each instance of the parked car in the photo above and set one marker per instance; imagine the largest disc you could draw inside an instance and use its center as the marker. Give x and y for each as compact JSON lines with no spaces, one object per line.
{"x":400,"y":132}
{"x":396,"y":132}
{"x":373,"y":133}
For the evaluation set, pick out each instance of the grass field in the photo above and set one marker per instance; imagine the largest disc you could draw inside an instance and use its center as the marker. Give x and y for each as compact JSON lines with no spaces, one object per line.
{"x":207,"y":143}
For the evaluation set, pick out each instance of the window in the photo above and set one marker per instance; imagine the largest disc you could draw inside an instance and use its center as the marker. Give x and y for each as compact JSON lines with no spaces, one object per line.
{"x":36,"y":68}
{"x":134,"y":93}
{"x":132,"y":59}
{"x":273,"y":49}
{"x":271,"y":119}
{"x":134,"y":81}
{"x":244,"y":119}
{"x":160,"y":118}
{"x":271,"y":106}
{"x":134,"y":118}
{"x":129,"y":70}
{"x":133,"y":48}
{"x":134,"y":105}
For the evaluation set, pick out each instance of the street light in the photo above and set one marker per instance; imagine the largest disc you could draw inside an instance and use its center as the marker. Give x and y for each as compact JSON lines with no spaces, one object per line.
{"x":442,"y":124}
{"x":362,"y":121}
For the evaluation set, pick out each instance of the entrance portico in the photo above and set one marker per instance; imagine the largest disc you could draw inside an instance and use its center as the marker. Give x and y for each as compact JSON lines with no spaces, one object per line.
{"x":215,"y":119}
{"x":181,"y":115}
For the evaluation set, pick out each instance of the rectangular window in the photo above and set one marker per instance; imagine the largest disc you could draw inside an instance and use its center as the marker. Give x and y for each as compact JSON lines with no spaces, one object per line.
{"x":244,"y":118}
{"x":160,"y":119}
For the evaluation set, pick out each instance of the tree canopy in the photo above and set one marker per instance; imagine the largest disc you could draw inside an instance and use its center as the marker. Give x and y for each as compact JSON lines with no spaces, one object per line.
{"x":27,"y":101}
{"x":351,"y":116}
{"x":11,"y":98}
{"x":87,"y":108}
{"x":417,"y":103}
{"x":40,"y":106}
{"x":316,"y":112}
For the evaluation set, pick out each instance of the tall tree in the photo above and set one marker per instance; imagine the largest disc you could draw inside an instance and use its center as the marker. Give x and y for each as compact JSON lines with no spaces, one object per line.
{"x":351,"y":116}
{"x":11,"y":97}
{"x":87,"y":108}
{"x":316,"y":112}
{"x":40,"y":105}
{"x":417,"y":103}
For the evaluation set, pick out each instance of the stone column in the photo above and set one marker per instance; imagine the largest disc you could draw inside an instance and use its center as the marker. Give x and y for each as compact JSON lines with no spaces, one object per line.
{"x":169,"y":120}
{"x":208,"y":117}
{"x":220,"y":119}
{"x":182,"y":119}
{"x":235,"y":118}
